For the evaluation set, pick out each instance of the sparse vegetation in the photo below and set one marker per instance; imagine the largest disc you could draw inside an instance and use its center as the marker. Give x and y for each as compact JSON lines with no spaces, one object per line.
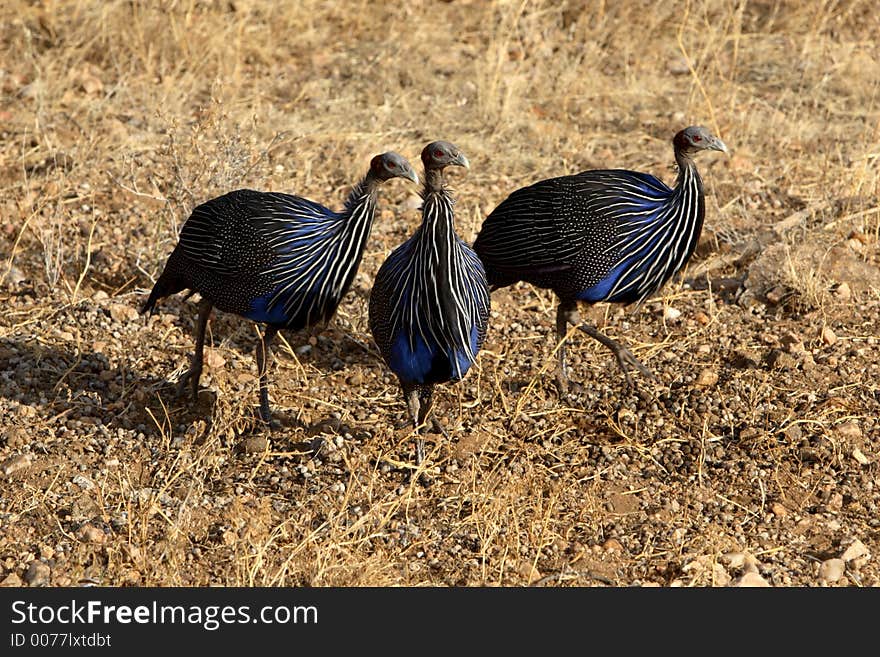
{"x":757,"y":452}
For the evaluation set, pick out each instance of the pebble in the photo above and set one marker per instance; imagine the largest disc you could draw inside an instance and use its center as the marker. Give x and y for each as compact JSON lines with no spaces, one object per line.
{"x":12,"y":580}
{"x":857,"y":552}
{"x":707,"y":377}
{"x":751,"y":578}
{"x":860,"y":457}
{"x":702,"y":318}
{"x":849,"y":430}
{"x":83,"y":482}
{"x":843,"y":291}
{"x":527,"y":570}
{"x":778,"y":510}
{"x":253,"y":445}
{"x":37,"y":573}
{"x":671,"y":314}
{"x":828,"y":336}
{"x":91,"y":534}
{"x":121,"y":312}
{"x":612,"y":545}
{"x":15,"y":463}
{"x":831,"y":570}
{"x":214,"y":360}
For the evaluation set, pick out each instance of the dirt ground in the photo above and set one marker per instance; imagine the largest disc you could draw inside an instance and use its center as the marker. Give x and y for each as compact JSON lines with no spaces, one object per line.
{"x":752,"y":460}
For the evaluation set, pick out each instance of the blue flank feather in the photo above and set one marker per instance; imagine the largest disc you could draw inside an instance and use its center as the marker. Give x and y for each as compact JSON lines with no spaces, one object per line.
{"x":415,"y":361}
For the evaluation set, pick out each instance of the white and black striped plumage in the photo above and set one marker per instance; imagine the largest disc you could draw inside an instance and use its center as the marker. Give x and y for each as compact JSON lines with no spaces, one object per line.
{"x":429,"y":306}
{"x":274,"y":258}
{"x":602,"y":235}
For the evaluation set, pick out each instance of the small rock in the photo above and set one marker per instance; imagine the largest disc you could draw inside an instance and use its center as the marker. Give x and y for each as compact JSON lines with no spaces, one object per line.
{"x":214,"y":360}
{"x":779,"y":359}
{"x":707,"y":377}
{"x":121,"y":312}
{"x":678,"y":66}
{"x":527,"y":570}
{"x":751,"y":578}
{"x":793,"y":343}
{"x":83,"y":482}
{"x":355,"y":379}
{"x":671,"y":314}
{"x":720,"y":577}
{"x":843,"y":292}
{"x":702,"y":318}
{"x":859,"y":456}
{"x":831,"y":570}
{"x":11,"y":579}
{"x":253,"y":445}
{"x":794,"y":432}
{"x":776,"y":294}
{"x":91,"y":534}
{"x":828,"y":336}
{"x":778,"y":510}
{"x":15,"y":437}
{"x":857,"y":551}
{"x":15,"y":463}
{"x":612,"y":545}
{"x":849,"y":430}
{"x":734,"y":559}
{"x":37,"y":573}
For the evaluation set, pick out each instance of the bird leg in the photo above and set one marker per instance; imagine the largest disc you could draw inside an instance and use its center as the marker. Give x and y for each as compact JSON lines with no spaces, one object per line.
{"x":418,"y":400}
{"x":561,"y":331}
{"x":194,"y":373}
{"x":264,"y":351}
{"x":624,"y":357}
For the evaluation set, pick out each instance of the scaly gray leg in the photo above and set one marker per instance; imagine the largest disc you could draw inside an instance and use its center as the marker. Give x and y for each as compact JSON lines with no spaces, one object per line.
{"x":264,"y":351}
{"x":624,"y":357}
{"x":194,"y":373}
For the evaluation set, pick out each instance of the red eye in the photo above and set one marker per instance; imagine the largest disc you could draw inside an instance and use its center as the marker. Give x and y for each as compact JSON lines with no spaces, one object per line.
{"x":696,"y":138}
{"x":438,"y":153}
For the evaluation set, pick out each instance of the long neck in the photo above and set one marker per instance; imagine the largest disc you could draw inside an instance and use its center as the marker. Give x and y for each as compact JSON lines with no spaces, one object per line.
{"x":688,"y":192}
{"x":357,"y":222}
{"x":437,"y":228}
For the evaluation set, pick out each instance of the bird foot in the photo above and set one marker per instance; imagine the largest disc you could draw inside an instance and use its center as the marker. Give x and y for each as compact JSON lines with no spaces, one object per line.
{"x":565,"y":387}
{"x":190,"y":377}
{"x":264,"y":416}
{"x":627,"y":361}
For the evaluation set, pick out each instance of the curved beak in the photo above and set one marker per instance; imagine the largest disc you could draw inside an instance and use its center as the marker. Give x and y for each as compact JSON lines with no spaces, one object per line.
{"x":718,"y":145}
{"x":410,"y":174}
{"x":462,"y":161}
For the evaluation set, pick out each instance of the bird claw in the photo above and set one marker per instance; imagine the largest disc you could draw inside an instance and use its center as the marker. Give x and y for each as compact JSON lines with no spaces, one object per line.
{"x":566,"y":387}
{"x":192,"y":378}
{"x":626,"y":361}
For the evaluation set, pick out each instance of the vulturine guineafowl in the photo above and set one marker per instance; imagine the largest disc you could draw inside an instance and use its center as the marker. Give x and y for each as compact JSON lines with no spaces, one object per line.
{"x":601,"y":235}
{"x":273,"y":258}
{"x":429,"y":306}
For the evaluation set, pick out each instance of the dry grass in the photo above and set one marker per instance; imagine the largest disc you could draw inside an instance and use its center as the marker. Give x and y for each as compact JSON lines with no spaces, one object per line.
{"x":118,"y":117}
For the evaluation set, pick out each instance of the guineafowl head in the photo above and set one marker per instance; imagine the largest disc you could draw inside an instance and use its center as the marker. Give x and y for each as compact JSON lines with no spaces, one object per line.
{"x":696,"y":138}
{"x":391,"y":165}
{"x":441,"y":154}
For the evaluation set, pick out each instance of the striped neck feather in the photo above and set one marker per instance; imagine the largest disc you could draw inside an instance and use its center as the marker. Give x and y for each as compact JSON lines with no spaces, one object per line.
{"x":659,"y":237}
